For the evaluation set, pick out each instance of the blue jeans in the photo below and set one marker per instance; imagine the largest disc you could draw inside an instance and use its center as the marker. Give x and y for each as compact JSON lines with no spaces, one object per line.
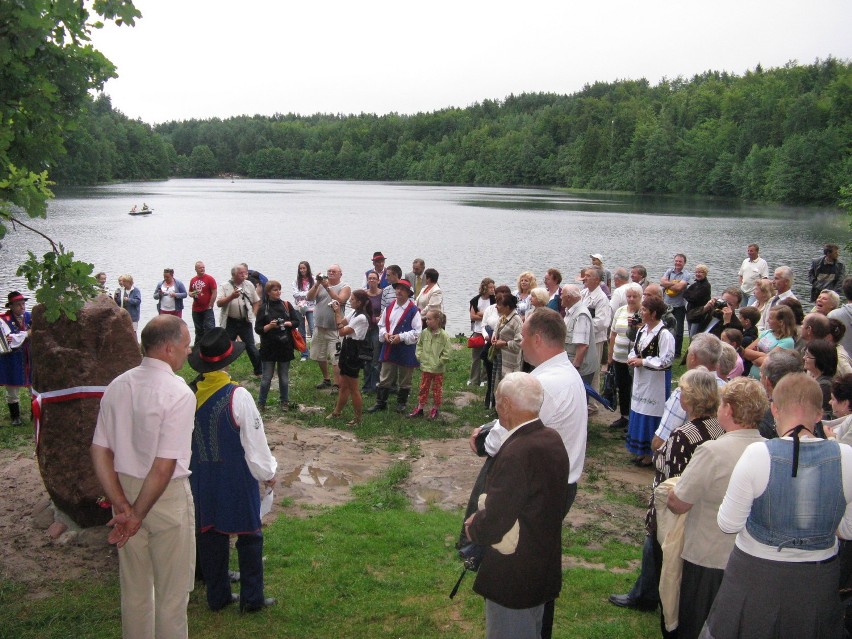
{"x":309,"y":317}
{"x":679,"y":313}
{"x":268,"y":370}
{"x":646,"y":589}
{"x":203,"y":321}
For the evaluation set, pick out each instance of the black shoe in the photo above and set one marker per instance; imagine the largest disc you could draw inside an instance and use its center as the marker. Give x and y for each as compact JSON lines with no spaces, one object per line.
{"x":326,"y":383}
{"x":269,"y":601}
{"x":621,"y":422}
{"x":626,"y":601}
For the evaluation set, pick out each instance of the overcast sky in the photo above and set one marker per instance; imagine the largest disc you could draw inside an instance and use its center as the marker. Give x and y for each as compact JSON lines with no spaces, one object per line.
{"x":210,"y":58}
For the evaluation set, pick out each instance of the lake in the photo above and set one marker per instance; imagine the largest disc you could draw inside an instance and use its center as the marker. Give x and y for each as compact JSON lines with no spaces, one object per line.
{"x":466,"y":233}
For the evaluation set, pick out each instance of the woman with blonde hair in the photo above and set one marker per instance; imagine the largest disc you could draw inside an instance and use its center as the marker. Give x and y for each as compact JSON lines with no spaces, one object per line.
{"x":700,"y":492}
{"x":763,"y":292}
{"x":526,"y":283}
{"x":539,"y":297}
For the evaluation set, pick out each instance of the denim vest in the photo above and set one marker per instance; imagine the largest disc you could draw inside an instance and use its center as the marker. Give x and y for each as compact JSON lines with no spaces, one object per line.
{"x":803,"y":511}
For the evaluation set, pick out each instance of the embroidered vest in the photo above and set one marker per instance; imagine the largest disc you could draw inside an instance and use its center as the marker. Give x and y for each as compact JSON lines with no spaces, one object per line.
{"x":226,"y":495}
{"x":401,"y":354}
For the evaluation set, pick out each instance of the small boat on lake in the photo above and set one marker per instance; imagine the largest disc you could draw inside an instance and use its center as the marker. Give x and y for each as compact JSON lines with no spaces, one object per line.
{"x":140,"y":211}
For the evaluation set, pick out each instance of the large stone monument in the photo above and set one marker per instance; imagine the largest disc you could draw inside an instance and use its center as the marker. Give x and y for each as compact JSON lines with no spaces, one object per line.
{"x":89,"y":352}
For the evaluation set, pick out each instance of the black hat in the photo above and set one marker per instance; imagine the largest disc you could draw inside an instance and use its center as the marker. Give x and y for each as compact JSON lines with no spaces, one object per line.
{"x":214,"y":351}
{"x":15,"y":296}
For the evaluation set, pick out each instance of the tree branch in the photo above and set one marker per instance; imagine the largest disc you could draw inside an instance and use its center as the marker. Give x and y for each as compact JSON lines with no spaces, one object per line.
{"x":15,"y":220}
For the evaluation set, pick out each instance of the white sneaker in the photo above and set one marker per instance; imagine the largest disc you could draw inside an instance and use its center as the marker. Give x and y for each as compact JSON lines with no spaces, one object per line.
{"x":481,"y":384}
{"x":469,"y":382}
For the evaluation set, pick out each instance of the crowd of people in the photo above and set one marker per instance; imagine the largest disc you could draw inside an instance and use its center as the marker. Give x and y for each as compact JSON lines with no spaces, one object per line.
{"x":750,"y":451}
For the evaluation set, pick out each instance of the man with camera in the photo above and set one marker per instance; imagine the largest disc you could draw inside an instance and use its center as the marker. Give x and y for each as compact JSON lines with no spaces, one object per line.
{"x":239,"y":301}
{"x":327,"y":288}
{"x":520,"y":521}
{"x":720,"y":312}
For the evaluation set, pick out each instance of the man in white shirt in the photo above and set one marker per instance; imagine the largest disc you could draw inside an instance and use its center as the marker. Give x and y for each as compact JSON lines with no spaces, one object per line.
{"x":783,"y":280}
{"x":141,"y":451}
{"x":753,"y":268}
{"x":580,"y":342}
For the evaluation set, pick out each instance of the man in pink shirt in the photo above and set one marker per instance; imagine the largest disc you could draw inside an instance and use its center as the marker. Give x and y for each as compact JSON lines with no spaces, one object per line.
{"x":141,"y":452}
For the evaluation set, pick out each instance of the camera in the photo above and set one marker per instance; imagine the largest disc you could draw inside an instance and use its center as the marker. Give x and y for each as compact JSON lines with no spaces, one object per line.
{"x":280,"y":322}
{"x":471,"y":555}
{"x":720,"y":304}
{"x":633,"y":324}
{"x":320,"y":276}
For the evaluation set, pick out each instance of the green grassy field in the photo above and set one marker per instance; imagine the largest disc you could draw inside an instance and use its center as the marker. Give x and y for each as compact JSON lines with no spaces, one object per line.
{"x":373,"y":567}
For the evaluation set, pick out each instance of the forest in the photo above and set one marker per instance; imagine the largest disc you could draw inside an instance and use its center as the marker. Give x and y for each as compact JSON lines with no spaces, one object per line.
{"x":780,"y":135}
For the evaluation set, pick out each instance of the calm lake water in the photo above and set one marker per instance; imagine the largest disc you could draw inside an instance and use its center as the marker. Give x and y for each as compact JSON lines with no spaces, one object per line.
{"x":465,"y":233}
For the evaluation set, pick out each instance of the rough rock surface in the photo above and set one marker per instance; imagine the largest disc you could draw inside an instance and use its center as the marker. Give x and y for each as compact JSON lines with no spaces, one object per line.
{"x":92,"y":351}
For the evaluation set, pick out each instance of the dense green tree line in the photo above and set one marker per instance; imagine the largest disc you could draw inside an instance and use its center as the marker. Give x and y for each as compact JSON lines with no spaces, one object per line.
{"x":106,"y":146}
{"x":780,"y":134}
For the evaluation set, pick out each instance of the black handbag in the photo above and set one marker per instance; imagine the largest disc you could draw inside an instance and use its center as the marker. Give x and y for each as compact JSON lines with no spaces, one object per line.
{"x":365,"y":350}
{"x":608,"y":387}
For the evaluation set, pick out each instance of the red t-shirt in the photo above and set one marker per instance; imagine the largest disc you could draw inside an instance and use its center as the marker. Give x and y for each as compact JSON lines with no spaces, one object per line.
{"x":205,"y":285}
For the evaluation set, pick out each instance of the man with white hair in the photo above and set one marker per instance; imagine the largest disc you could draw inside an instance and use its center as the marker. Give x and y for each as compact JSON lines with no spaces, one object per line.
{"x":783,"y":281}
{"x":620,"y":280}
{"x":598,"y":304}
{"x":563,"y":408}
{"x":579,"y":334}
{"x":520,"y":518}
{"x":704,"y":350}
{"x":238,"y":303}
{"x":324,"y":345}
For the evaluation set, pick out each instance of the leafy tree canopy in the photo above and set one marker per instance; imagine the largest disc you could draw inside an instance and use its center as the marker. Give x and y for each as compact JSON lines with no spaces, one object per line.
{"x":47,"y":68}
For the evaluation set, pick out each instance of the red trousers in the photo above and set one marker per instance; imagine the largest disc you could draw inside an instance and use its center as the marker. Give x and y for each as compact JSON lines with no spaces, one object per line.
{"x":436,"y":381}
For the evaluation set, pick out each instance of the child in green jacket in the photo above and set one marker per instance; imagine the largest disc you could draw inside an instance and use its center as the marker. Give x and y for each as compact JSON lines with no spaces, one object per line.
{"x":433,"y":353}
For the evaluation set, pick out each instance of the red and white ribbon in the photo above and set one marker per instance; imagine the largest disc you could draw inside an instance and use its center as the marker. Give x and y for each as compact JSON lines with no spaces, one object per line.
{"x":62,"y":395}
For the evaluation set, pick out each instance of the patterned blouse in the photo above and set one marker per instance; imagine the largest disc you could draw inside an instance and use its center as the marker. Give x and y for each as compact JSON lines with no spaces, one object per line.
{"x":671,"y":458}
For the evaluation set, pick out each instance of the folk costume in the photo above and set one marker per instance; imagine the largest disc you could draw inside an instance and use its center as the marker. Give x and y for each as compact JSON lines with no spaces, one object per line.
{"x":15,"y":365}
{"x":230,"y":455}
{"x":398,"y":360}
{"x":657,"y":348}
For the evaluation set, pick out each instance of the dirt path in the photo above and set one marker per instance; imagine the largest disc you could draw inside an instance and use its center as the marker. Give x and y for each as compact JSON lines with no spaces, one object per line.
{"x":316,"y":467}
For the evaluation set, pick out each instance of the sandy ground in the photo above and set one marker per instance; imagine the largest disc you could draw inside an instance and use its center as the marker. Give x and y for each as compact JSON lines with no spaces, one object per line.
{"x":316,"y":467}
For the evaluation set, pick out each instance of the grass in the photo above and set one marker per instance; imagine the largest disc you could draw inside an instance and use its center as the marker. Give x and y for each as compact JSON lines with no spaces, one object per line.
{"x":374,"y":567}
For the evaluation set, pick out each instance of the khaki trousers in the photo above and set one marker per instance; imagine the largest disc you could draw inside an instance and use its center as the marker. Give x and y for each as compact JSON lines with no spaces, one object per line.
{"x":157,"y":565}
